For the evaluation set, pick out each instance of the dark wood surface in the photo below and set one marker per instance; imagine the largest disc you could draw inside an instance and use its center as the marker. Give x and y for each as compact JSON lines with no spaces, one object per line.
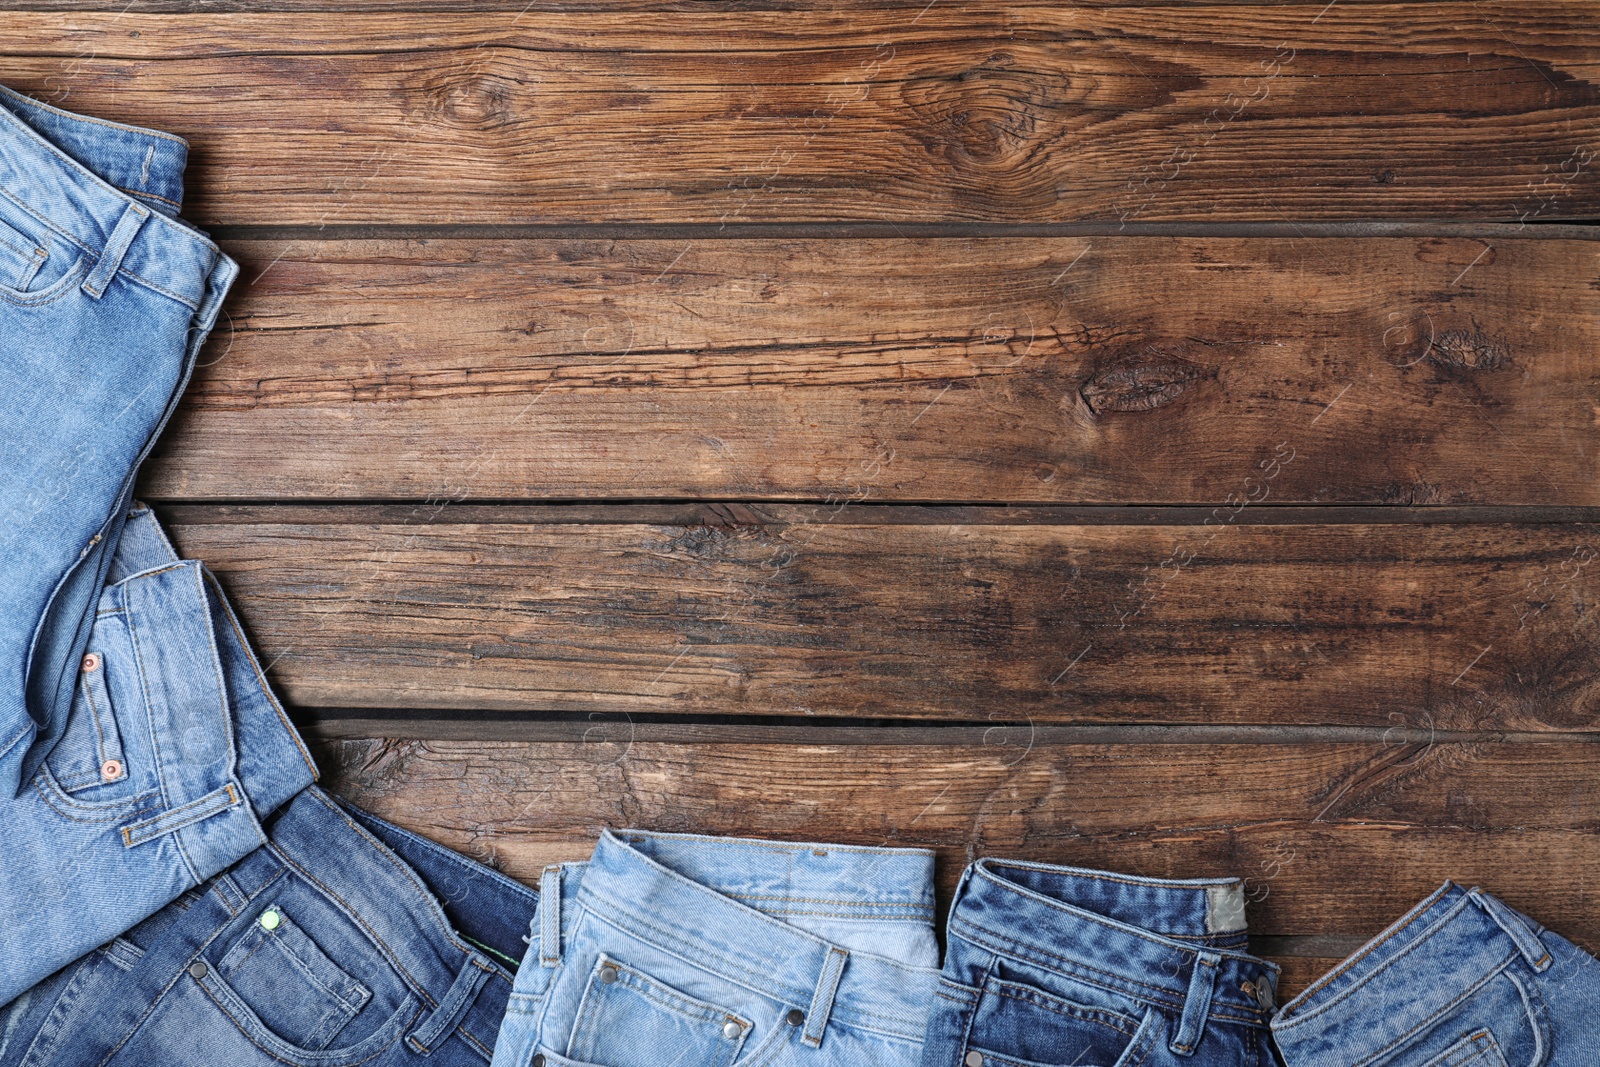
{"x":1154,"y":436}
{"x":959,"y":112}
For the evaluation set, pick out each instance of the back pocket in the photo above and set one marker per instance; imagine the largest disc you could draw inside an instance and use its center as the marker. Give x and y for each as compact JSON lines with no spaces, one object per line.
{"x":629,"y":1019}
{"x":289,"y":982}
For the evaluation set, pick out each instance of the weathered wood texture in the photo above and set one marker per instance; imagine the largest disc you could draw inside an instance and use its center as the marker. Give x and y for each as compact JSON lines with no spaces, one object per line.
{"x":808,"y":612}
{"x":1101,"y":370}
{"x":1455,"y":108}
{"x":1335,"y":840}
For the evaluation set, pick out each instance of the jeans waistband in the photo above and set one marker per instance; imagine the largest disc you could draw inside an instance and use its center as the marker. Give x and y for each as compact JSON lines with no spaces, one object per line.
{"x":1186,"y":959}
{"x":225,"y":753}
{"x":114,"y":191}
{"x":628,"y":888}
{"x":1417,"y":970}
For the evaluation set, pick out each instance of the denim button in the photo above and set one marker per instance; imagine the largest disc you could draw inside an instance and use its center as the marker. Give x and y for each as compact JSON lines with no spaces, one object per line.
{"x":91,"y":663}
{"x":197,"y":969}
{"x":974,"y":1059}
{"x":608,"y":974}
{"x":795,"y":1017}
{"x":731,"y":1029}
{"x":537,"y":1061}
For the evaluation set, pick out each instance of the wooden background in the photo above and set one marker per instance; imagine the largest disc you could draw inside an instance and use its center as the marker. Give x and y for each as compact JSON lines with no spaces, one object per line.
{"x":1154,"y":435}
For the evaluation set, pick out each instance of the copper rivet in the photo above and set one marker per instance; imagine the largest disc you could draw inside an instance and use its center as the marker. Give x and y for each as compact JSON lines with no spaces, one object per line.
{"x":111,"y":770}
{"x":91,"y":662}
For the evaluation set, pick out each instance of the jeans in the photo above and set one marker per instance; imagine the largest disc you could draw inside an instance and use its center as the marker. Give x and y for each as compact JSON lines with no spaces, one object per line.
{"x":105,"y":298}
{"x":1056,"y":966}
{"x":174,"y":751}
{"x":342,"y":941}
{"x":1460,"y":981}
{"x":720,"y":952}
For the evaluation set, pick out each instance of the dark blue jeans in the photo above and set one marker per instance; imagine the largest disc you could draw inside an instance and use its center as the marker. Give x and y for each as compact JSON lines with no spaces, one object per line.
{"x":1056,"y":966}
{"x":342,"y":941}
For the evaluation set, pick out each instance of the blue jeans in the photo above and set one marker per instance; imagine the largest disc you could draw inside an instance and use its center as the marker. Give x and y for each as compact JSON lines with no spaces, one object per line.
{"x":725,"y":952}
{"x":1460,"y":981}
{"x":104,"y":300}
{"x":1055,"y":966}
{"x":174,"y":751}
{"x":342,"y":941}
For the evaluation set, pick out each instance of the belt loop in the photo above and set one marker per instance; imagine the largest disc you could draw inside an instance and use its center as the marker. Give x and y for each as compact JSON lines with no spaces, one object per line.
{"x":550,"y":917}
{"x":1197,"y":1004}
{"x":822,"y":1000}
{"x":438,"y":1023}
{"x":116,"y":247}
{"x":1516,"y":928}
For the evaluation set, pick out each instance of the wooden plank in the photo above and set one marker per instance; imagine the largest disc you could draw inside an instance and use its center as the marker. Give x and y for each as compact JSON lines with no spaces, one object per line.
{"x":1069,"y":370}
{"x":1454,"y":108}
{"x":1479,"y":627}
{"x":1334,"y":840}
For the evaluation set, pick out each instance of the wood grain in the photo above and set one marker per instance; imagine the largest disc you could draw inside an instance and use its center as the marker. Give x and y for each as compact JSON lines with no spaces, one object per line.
{"x":1469,"y":627}
{"x":1334,"y":840}
{"x":1424,"y":370}
{"x":1454,"y":108}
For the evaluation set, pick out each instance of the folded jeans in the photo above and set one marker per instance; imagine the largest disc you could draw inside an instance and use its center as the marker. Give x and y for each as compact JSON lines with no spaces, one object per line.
{"x":727,"y":952}
{"x":1047,"y":966}
{"x":343,"y":940}
{"x":105,"y":298}
{"x":1462,"y":980}
{"x":174,"y":751}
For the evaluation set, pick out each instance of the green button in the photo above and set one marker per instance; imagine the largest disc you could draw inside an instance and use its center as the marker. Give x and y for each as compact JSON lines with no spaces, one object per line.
{"x":270,"y":920}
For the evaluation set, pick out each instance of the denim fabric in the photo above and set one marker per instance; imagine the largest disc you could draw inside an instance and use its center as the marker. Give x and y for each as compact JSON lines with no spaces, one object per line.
{"x":104,"y":299}
{"x":343,"y":941}
{"x":174,"y":751}
{"x":1460,"y":981}
{"x":670,"y":949}
{"x":1056,"y":966}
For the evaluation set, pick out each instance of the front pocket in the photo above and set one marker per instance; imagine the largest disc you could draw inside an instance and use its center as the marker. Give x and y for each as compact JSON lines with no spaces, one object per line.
{"x":20,"y":257}
{"x":1475,"y":1050}
{"x":629,"y":1019}
{"x":35,"y":260}
{"x":290,"y":983}
{"x":89,"y":753}
{"x":1016,"y":1024}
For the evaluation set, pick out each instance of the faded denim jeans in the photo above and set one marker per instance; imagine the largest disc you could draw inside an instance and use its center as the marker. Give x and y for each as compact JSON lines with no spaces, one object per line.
{"x":139,"y":743}
{"x":341,"y":941}
{"x":1461,"y":980}
{"x":727,"y":952}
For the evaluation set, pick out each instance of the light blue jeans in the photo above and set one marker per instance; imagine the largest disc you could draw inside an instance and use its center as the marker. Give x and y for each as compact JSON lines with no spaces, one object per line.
{"x":726,"y":952}
{"x":1461,"y":980}
{"x":174,"y":751}
{"x":105,"y":298}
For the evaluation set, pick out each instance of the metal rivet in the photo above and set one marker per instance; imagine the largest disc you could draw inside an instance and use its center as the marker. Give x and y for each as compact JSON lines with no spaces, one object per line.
{"x":111,"y":770}
{"x":537,"y":1061}
{"x":270,"y":919}
{"x":731,"y":1029}
{"x":795,"y":1017}
{"x":608,"y":974}
{"x":91,"y":662}
{"x":197,"y":969}
{"x":974,"y":1059}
